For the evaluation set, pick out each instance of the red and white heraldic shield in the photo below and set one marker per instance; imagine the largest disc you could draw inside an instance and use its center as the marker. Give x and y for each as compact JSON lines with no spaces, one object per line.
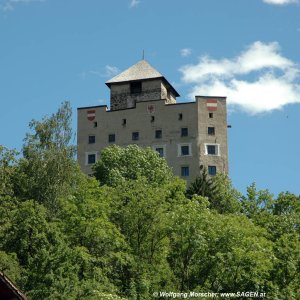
{"x":211,"y":104}
{"x":91,"y":114}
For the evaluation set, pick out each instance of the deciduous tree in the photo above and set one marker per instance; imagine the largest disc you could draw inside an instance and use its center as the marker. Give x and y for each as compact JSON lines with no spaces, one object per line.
{"x":119,"y":164}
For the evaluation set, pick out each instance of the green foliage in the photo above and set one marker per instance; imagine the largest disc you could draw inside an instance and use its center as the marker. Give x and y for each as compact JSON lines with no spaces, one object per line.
{"x":212,"y":252}
{"x":218,"y":190}
{"x":134,"y":229}
{"x":257,"y":201}
{"x":7,"y":169}
{"x":119,"y":164}
{"x":87,"y":225}
{"x":48,"y":170}
{"x":142,"y":212}
{"x":287,"y":268}
{"x":202,"y":186}
{"x":9,"y":265}
{"x":226,"y":198}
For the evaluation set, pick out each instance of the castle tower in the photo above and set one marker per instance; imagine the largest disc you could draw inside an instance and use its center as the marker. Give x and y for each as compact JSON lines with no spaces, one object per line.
{"x":141,"y":82}
{"x":143,"y":111}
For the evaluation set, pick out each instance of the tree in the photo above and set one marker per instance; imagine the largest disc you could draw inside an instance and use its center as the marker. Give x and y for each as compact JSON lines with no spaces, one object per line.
{"x":202,"y":186}
{"x":257,"y":201}
{"x":226,"y":198}
{"x":9,"y":265}
{"x":285,"y":274}
{"x":219,"y":253}
{"x":7,"y":169}
{"x":86,"y":223}
{"x":64,"y":235}
{"x":119,"y":164}
{"x":38,"y":247}
{"x":48,"y":170}
{"x":219,"y":191}
{"x":142,"y":212}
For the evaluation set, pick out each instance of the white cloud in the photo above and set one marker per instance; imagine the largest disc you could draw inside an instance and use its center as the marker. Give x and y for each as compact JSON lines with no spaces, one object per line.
{"x":134,"y":3}
{"x":280,"y":2}
{"x":260,"y":79}
{"x":85,"y":74}
{"x":185,"y":52}
{"x":111,"y":71}
{"x":258,"y":56}
{"x":10,"y":5}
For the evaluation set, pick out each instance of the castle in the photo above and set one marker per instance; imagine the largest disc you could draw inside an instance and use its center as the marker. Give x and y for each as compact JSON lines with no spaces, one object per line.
{"x":143,"y":111}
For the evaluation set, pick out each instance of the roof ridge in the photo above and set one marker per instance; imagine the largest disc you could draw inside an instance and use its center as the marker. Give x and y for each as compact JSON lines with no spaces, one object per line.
{"x":141,"y":70}
{"x":11,"y":286}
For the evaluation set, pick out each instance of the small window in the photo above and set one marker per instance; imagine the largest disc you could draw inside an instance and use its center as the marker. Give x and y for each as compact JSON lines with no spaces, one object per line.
{"x":184,"y":132}
{"x":111,"y":138}
{"x":212,"y":170}
{"x":180,"y":116}
{"x":160,"y":150}
{"x":158,"y":134}
{"x":210,"y":115}
{"x":185,"y":171}
{"x":124,"y":122}
{"x":185,"y":150}
{"x":211,"y":130}
{"x":92,"y":139}
{"x":136,"y":87}
{"x":212,"y":149}
{"x":95,"y":124}
{"x":91,"y":159}
{"x":152,"y":119}
{"x":135,"y":136}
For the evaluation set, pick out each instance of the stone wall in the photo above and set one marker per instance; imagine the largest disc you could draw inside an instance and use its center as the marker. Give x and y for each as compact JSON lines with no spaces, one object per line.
{"x":121,"y":98}
{"x":170,"y":119}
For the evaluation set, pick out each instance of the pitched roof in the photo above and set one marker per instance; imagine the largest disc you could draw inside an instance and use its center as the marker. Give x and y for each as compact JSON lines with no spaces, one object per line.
{"x":8,"y":290}
{"x":139,"y":71}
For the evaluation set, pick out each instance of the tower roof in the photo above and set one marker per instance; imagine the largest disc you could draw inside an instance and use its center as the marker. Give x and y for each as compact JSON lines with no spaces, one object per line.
{"x":140,"y":71}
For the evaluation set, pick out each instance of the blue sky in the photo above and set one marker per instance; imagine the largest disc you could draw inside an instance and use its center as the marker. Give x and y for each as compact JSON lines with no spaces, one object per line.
{"x":247,"y":50}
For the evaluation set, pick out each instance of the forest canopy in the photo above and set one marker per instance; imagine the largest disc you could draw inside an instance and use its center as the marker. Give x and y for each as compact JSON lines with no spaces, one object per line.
{"x":134,"y":229}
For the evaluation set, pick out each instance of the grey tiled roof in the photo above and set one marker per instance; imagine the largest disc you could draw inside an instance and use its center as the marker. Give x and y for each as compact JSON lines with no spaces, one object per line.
{"x":141,"y":70}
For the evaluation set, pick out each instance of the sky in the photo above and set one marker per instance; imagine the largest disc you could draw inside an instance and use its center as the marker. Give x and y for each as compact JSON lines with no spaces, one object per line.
{"x":246,"y":50}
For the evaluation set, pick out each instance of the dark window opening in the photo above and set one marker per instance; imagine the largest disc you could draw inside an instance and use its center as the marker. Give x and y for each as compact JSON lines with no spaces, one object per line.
{"x":184,"y":132}
{"x":124,"y":122}
{"x":211,"y":130}
{"x":158,"y":134}
{"x":135,"y":136}
{"x":212,"y":149}
{"x":185,"y":171}
{"x":180,"y":116}
{"x":211,"y":115}
{"x":91,"y":159}
{"x":136,"y":87}
{"x":152,"y":118}
{"x":160,"y":151}
{"x":92,"y":139}
{"x":95,"y":124}
{"x":111,"y":138}
{"x":185,"y":150}
{"x":212,"y":170}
